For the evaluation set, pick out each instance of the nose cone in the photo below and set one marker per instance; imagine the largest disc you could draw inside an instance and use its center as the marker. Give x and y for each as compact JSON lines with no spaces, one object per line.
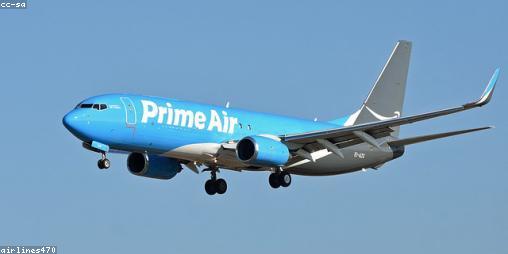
{"x":68,"y":121}
{"x":76,"y":124}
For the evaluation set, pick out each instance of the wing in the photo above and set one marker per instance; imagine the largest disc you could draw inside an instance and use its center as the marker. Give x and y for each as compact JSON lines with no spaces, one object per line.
{"x":368,"y":132}
{"x":310,"y":146}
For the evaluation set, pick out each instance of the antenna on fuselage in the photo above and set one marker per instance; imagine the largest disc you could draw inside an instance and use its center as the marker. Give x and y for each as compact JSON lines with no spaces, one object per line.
{"x":227,"y":104}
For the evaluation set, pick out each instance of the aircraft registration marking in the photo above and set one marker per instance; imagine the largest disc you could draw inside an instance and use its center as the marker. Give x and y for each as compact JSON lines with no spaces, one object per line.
{"x":359,"y":155}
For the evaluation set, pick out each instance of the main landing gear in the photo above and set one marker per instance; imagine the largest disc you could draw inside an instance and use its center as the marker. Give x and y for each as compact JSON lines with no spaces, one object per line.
{"x":214,"y":185}
{"x":103,"y":163}
{"x":279,"y":179}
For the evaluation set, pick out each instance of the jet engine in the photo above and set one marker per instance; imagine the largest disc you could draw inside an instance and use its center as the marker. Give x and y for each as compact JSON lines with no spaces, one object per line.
{"x":153,"y":166}
{"x":263,"y":151}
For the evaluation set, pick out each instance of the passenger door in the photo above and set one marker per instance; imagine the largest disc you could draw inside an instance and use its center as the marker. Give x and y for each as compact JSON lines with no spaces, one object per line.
{"x":130,"y":111}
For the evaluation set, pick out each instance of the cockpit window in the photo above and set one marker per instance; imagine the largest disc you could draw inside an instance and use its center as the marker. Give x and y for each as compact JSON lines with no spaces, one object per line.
{"x":94,"y":106}
{"x":86,"y":105}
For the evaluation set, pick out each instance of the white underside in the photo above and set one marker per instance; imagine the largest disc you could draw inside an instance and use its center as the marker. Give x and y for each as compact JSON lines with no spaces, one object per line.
{"x":326,"y":163}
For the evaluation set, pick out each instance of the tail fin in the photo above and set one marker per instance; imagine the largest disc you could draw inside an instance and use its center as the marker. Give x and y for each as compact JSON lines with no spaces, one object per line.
{"x":386,"y":99}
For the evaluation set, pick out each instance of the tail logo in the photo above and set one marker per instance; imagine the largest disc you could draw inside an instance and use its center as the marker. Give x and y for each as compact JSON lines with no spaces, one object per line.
{"x":383,"y":118}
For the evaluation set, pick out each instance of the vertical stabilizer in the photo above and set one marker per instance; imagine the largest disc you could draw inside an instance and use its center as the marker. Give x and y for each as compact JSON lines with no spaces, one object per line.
{"x":385,"y":100}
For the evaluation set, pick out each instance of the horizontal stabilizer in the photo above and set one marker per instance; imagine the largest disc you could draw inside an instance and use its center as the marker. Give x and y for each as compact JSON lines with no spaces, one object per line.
{"x":414,"y":140}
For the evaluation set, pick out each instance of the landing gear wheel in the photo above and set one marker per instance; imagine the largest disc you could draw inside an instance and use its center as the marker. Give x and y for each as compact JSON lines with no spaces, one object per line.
{"x":284,"y":179}
{"x":274,"y":180}
{"x":221,"y":186}
{"x":103,"y":163}
{"x":214,"y":185}
{"x":99,"y":164}
{"x":210,"y":187}
{"x":106,"y":163}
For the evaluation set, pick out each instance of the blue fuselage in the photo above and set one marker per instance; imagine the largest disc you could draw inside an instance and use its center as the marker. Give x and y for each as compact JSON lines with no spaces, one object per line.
{"x":158,"y":125}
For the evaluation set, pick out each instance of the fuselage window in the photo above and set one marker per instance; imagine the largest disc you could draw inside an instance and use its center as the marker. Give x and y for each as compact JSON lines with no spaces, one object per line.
{"x":103,"y":106}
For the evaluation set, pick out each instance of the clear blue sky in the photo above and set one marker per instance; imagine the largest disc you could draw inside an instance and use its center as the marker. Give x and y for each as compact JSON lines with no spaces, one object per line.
{"x":299,"y":58}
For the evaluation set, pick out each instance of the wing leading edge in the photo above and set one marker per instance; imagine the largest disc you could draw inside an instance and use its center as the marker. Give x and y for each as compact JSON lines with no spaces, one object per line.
{"x":372,"y":127}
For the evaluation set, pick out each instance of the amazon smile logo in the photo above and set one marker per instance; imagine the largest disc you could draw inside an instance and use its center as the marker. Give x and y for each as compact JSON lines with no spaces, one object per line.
{"x":381,"y":117}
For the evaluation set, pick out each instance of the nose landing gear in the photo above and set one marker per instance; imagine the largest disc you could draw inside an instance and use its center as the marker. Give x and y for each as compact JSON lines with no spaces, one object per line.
{"x":214,"y":185}
{"x":103,"y":163}
{"x":101,"y":148}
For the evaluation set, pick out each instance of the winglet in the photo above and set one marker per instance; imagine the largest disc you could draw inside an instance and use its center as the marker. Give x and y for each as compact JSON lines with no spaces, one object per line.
{"x":487,"y":93}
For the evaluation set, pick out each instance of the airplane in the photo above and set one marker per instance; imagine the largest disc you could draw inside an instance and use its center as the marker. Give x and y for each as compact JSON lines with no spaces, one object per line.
{"x":162,"y":135}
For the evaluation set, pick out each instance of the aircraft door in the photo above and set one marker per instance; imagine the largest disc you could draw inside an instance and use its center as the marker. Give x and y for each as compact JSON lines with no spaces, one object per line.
{"x":130,"y":111}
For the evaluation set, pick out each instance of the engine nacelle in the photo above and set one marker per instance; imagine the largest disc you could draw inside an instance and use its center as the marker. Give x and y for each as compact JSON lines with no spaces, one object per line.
{"x":153,"y":166}
{"x":259,"y":150}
